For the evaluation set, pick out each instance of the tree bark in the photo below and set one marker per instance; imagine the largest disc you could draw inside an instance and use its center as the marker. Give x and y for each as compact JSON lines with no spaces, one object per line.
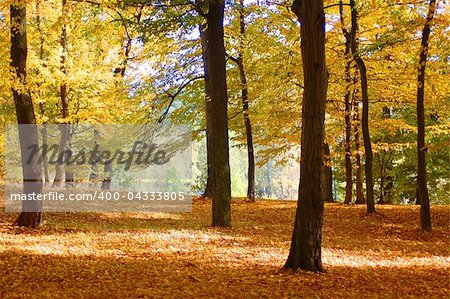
{"x":106,"y":183}
{"x":305,"y":251}
{"x":245,"y":107}
{"x":120,"y":70}
{"x":31,"y":215}
{"x":381,"y":193}
{"x":359,"y":181}
{"x":203,"y":29}
{"x":347,"y":111}
{"x":64,"y":128}
{"x":425,"y":218}
{"x":327,"y":179}
{"x":365,"y":111}
{"x":40,"y":103}
{"x":220,"y":166}
{"x":44,"y":142}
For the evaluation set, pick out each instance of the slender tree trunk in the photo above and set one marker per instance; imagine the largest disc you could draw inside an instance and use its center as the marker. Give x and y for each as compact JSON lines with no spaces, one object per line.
{"x":327,"y":179}
{"x":220,"y":166}
{"x":305,"y":251}
{"x":31,"y":215}
{"x":40,"y":103}
{"x":203,"y":29}
{"x":269,"y":180}
{"x":95,"y":161}
{"x":249,"y":136}
{"x":425,"y":218}
{"x":64,"y":128}
{"x":365,"y":111}
{"x":44,"y":142}
{"x":359,"y":181}
{"x":126,"y":50}
{"x":347,"y":111}
{"x":127,"y":45}
{"x":381,"y":194}
{"x":106,"y":183}
{"x":120,"y":70}
{"x":244,"y":95}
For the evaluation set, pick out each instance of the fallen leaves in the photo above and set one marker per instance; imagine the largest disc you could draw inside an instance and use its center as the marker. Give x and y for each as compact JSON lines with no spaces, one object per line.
{"x":93,"y":255}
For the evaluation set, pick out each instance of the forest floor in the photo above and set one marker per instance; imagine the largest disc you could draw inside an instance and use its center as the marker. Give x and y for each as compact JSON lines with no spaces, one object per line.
{"x":148,"y":255}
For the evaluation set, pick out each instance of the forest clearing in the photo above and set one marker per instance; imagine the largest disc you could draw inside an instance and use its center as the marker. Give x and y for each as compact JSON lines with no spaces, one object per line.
{"x":157,"y":255}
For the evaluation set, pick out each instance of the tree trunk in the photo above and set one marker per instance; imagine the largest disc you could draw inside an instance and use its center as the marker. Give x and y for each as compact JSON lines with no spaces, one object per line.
{"x":244,"y":95}
{"x":203,"y":29}
{"x":31,"y":215}
{"x":44,"y":142}
{"x":106,"y":183}
{"x":220,"y":166}
{"x":64,"y":128}
{"x":41,"y":104}
{"x":365,"y":111}
{"x":126,"y":50}
{"x":305,"y":251}
{"x":359,"y":182}
{"x":120,"y":70}
{"x":268,"y":189}
{"x":347,"y":111}
{"x":425,"y":218}
{"x":381,"y":193}
{"x":327,"y":179}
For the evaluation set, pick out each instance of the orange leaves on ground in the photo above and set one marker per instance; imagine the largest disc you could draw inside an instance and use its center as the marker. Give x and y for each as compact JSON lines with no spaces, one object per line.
{"x":179,"y":255}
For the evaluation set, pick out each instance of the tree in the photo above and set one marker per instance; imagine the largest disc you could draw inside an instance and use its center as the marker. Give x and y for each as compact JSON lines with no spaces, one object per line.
{"x":425,"y":218}
{"x":356,"y":121}
{"x":31,"y":215}
{"x":204,"y":44}
{"x":239,"y":60}
{"x":348,"y":108}
{"x":305,"y":251}
{"x":64,"y":144}
{"x":365,"y":110}
{"x":220,"y":166}
{"x":327,"y":176}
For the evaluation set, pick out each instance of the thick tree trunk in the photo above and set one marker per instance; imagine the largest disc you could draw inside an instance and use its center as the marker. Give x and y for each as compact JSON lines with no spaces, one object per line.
{"x":327,"y":179}
{"x":220,"y":166}
{"x":31,"y":215}
{"x":425,"y":218}
{"x":365,"y":111}
{"x":305,"y":251}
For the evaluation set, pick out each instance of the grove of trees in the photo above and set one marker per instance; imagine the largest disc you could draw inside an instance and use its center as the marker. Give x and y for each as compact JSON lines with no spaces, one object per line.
{"x":357,"y":92}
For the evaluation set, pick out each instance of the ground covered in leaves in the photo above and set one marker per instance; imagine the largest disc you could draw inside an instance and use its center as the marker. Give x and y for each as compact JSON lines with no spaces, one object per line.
{"x":140,"y":255}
